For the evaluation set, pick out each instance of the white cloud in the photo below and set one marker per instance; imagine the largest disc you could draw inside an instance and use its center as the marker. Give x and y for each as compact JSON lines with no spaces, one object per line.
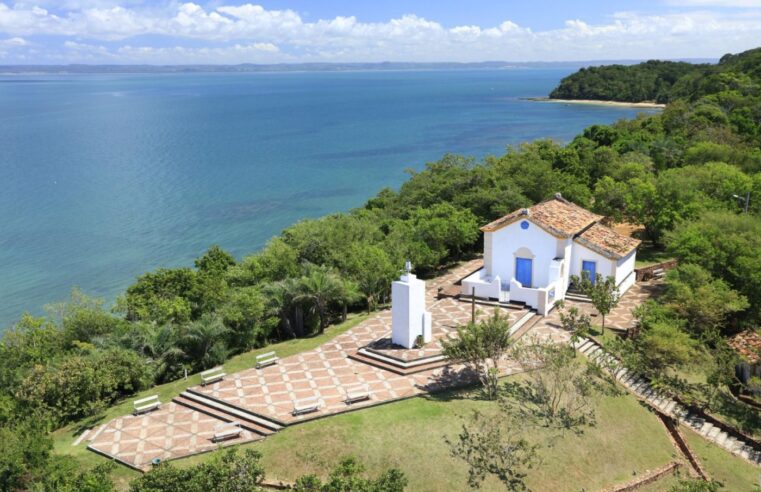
{"x":716,"y":3}
{"x":250,"y":32}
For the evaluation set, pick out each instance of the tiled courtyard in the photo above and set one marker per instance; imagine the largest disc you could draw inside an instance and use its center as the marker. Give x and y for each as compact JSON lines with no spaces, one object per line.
{"x":621,"y":317}
{"x":170,"y":432}
{"x":325,"y":374}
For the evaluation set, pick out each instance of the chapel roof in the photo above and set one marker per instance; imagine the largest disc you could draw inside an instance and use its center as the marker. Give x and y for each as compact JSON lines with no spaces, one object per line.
{"x":565,"y":219}
{"x":747,"y":344}
{"x":607,"y":242}
{"x":557,"y":216}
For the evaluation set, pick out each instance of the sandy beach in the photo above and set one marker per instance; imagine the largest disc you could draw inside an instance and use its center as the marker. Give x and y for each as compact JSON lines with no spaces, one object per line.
{"x":600,"y":103}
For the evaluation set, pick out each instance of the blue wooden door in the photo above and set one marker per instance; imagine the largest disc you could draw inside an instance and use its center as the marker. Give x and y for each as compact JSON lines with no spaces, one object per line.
{"x":591,"y":268}
{"x":523,"y":268}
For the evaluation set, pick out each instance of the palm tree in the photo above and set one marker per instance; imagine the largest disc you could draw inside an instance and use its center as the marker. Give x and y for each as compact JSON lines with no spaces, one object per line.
{"x":283,"y":303}
{"x":350,"y":293}
{"x":159,"y":344}
{"x":320,"y":287}
{"x":205,"y":341}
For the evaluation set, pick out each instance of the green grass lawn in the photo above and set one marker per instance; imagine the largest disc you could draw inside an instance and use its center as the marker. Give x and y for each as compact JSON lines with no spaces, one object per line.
{"x":409,"y":435}
{"x":627,"y":441}
{"x":63,"y":438}
{"x":736,"y":474}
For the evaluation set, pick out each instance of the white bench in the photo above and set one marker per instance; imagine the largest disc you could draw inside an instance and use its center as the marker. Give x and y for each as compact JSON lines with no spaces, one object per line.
{"x":267,"y":359}
{"x":228,"y":430}
{"x":305,"y":405}
{"x":356,"y":394}
{"x":212,"y":375}
{"x":146,"y":404}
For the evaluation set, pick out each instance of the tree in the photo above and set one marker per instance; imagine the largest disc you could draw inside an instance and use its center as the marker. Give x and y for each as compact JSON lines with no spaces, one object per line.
{"x":276,"y":262}
{"x":161,"y":345}
{"x":215,"y":261}
{"x":80,"y":385}
{"x":370,"y":266}
{"x":84,"y":319}
{"x":660,"y":347}
{"x":204,"y":342}
{"x":320,"y":287}
{"x":575,"y":322}
{"x":227,"y":471}
{"x":480,"y":346}
{"x":603,"y":293}
{"x":558,"y":390}
{"x":244,"y":313}
{"x":284,"y":303}
{"x":703,"y":301}
{"x":25,"y":449}
{"x":689,"y":485}
{"x":64,"y":475}
{"x":491,"y":446}
{"x":347,"y":476}
{"x":162,"y":296}
{"x":728,"y":245}
{"x":349,"y":294}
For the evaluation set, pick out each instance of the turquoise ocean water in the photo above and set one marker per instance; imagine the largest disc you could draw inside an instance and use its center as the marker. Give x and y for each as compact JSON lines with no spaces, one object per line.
{"x":104,"y":177}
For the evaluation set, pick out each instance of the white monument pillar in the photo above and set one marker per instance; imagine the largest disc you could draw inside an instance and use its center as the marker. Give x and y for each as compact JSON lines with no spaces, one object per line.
{"x":409,"y":319}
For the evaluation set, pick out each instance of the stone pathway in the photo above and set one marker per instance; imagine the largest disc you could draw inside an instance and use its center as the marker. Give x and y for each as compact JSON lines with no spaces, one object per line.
{"x":622,"y":316}
{"x":641,"y":388}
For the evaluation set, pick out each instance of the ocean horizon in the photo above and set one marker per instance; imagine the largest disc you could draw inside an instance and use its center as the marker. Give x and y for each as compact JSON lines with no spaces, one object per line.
{"x":108,"y":176}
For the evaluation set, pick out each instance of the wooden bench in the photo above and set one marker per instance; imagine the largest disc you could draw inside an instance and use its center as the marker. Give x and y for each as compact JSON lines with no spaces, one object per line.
{"x":267,"y":359}
{"x":227,"y":430}
{"x":305,"y":405}
{"x":356,"y":393}
{"x":212,"y":376}
{"x":144,"y":405}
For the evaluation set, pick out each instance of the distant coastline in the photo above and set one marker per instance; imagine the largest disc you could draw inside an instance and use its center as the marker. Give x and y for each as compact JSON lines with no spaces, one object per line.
{"x":596,"y":102}
{"x":7,"y":70}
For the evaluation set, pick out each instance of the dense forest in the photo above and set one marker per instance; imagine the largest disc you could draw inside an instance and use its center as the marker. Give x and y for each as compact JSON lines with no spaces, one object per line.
{"x":661,"y":81}
{"x":677,"y":174}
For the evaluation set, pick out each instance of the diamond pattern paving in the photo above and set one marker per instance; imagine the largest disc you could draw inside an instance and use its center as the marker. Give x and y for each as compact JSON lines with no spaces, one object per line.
{"x":325,"y":373}
{"x":169,"y":432}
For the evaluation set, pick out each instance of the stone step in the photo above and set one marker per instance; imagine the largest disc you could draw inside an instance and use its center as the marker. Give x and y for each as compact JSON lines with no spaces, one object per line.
{"x":732,"y":445}
{"x":721,"y":438}
{"x":235,"y":411}
{"x":581,"y":343}
{"x":571,"y":296}
{"x":244,"y":421}
{"x":590,"y":348}
{"x":706,"y":428}
{"x":397,"y":369}
{"x":713,"y":433}
{"x":745,"y":451}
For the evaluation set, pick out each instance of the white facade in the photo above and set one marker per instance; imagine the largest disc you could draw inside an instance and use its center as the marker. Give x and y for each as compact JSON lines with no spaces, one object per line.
{"x":409,"y":319}
{"x":552,"y":261}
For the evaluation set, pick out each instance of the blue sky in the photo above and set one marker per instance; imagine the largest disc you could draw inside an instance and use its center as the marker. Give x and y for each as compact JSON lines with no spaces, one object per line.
{"x":277,"y":31}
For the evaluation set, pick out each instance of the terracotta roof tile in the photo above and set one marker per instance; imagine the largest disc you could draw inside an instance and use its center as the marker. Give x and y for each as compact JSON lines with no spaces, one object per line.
{"x":557,"y":216}
{"x":748,"y":345}
{"x":607,"y":242}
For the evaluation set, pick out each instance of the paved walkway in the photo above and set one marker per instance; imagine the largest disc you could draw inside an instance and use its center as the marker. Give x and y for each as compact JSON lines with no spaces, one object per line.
{"x":324,"y":373}
{"x":621,"y":317}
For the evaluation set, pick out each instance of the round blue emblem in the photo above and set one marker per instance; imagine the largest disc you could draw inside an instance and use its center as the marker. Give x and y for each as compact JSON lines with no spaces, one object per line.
{"x":524,"y":224}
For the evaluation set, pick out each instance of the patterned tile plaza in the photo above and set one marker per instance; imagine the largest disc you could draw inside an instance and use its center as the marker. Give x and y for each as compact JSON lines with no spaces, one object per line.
{"x":325,"y":373}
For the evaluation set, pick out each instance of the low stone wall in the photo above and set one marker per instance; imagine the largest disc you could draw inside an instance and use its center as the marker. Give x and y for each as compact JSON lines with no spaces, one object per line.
{"x":648,"y":478}
{"x":646,"y":273}
{"x":680,"y":443}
